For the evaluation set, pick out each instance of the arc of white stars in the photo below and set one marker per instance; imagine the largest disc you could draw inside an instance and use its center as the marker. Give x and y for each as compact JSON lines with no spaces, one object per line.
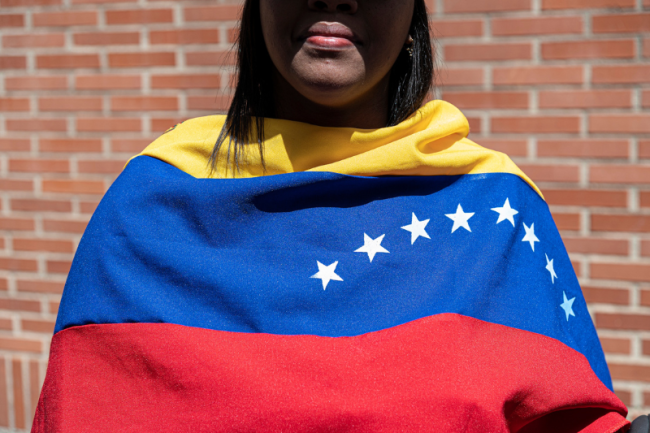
{"x":506,"y":212}
{"x":530,"y":235}
{"x":549,"y":268}
{"x":567,"y":306}
{"x":417,"y":228}
{"x":326,"y":273}
{"x":372,"y":246}
{"x":460,"y":219}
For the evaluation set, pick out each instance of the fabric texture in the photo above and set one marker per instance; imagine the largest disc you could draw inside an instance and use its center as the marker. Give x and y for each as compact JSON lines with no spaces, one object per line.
{"x":401,"y":279}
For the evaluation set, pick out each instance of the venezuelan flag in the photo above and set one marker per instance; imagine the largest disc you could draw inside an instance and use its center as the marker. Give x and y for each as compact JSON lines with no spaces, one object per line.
{"x":394,"y":280}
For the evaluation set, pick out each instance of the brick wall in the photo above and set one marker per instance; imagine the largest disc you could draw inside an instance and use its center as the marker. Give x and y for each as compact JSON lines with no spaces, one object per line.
{"x":563,"y":86}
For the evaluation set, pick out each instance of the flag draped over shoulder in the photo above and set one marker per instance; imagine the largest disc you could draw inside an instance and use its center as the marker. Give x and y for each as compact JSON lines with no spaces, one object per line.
{"x":394,"y":280}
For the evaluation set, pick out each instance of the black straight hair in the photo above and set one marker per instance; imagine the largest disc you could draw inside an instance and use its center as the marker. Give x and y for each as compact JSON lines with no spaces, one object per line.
{"x":411,"y":79}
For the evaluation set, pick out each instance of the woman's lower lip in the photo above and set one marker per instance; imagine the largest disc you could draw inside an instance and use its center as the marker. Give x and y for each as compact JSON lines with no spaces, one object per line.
{"x":329,"y":41}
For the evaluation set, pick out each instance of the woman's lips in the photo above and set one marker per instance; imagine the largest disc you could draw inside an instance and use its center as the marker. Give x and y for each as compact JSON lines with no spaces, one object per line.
{"x":329,"y":41}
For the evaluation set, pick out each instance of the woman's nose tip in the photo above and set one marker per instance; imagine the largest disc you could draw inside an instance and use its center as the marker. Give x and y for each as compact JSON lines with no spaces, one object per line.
{"x":345,"y":6}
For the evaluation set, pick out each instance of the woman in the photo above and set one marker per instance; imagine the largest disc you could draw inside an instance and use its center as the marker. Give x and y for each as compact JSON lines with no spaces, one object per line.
{"x":330,"y":256}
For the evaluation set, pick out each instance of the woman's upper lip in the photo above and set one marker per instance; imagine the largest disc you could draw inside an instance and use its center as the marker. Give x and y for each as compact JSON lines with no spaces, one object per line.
{"x":334,"y":30}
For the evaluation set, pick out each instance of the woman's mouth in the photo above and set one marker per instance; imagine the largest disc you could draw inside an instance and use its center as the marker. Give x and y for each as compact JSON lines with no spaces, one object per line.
{"x":330,"y":35}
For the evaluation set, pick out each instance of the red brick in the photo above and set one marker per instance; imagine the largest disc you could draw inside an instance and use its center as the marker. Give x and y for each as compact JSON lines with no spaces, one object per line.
{"x":233,"y":35}
{"x":616,"y":345}
{"x":209,"y":103}
{"x":456,"y":28}
{"x":645,"y":248}
{"x":143,"y":59}
{"x":20,"y":265}
{"x":615,"y":49}
{"x":17,"y":224}
{"x":144,"y":103}
{"x":537,"y":75}
{"x":587,"y":4}
{"x":621,"y":223}
{"x":74,"y":186}
{"x":637,"y":373}
{"x":621,"y":74}
{"x":471,"y":6}
{"x":43,"y":40}
{"x":448,"y":77}
{"x":64,"y":226}
{"x":68,"y":61}
{"x":54,"y":307}
{"x":14,"y":104}
{"x":646,"y":47}
{"x":58,"y":266}
{"x":620,"y":123}
{"x":621,"y":271}
{"x":61,"y":19}
{"x":646,"y":351}
{"x":537,"y":26}
{"x":48,"y":245}
{"x":583,"y":148}
{"x":632,"y":23}
{"x":139,"y":16}
{"x":551,"y":173}
{"x":184,"y":37}
{"x":13,"y":62}
{"x":35,"y":325}
{"x":107,"y":38}
{"x":635,"y":322}
{"x":23,"y":3}
{"x":163,"y":124}
{"x":6,"y":325}
{"x":567,"y":221}
{"x":108,"y":124}
{"x":483,"y":52}
{"x":537,"y":124}
{"x":70,"y":145}
{"x":585,"y":197}
{"x":195,"y":81}
{"x":487,"y":100}
{"x":107,"y":82}
{"x":38,"y":205}
{"x":129,"y":145}
{"x":60,"y":125}
{"x":39,"y":165}
{"x":40,"y":286}
{"x":4,"y":405}
{"x":16,"y":185}
{"x":603,"y":295}
{"x":14,"y":145}
{"x":614,"y":247}
{"x":12,"y":20}
{"x":78,"y":2}
{"x":36,"y":83}
{"x":210,"y":58}
{"x":101,"y":166}
{"x":213,"y":13}
{"x":645,"y":297}
{"x":88,"y":207}
{"x":644,"y":148}
{"x":624,"y":174}
{"x":70,"y":103}
{"x":585,"y":99}
{"x":645,"y":98}
{"x":20,"y":344}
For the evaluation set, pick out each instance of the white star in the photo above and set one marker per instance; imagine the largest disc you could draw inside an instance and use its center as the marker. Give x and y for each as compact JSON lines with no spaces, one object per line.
{"x":567,"y":306}
{"x":326,"y":273}
{"x":530,"y":235}
{"x":506,"y":213}
{"x":372,"y":246}
{"x":549,"y":267}
{"x":460,"y":219}
{"x":417,"y":229}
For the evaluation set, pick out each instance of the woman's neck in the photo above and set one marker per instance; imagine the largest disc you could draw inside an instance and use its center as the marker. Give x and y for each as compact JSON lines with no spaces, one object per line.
{"x":367,"y":112}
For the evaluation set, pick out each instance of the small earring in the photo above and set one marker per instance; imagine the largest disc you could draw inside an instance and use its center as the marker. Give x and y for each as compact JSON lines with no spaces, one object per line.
{"x":409,"y":47}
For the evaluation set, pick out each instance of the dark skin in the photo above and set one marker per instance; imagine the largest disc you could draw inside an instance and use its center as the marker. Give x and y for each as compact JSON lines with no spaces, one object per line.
{"x":329,"y":76}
